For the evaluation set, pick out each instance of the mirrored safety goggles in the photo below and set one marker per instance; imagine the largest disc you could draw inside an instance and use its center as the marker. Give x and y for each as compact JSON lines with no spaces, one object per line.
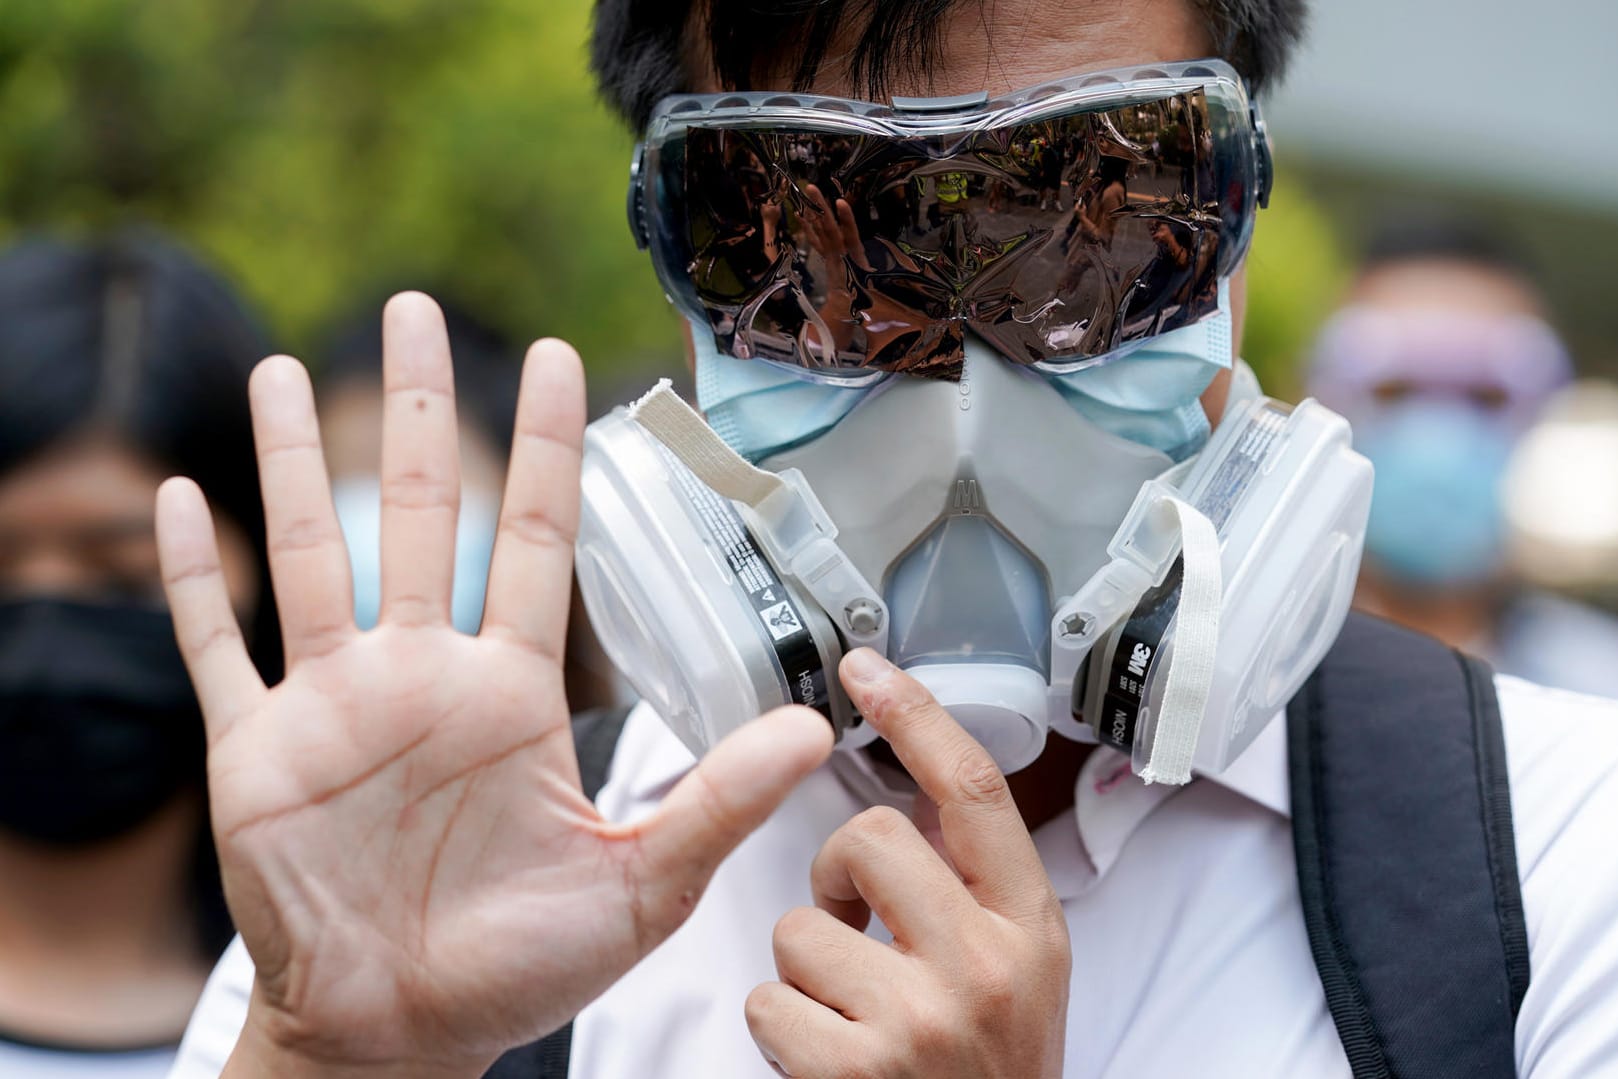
{"x":1062,"y":224}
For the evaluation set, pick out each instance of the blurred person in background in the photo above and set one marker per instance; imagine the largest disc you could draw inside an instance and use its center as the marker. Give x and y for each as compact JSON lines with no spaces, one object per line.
{"x":120,"y":363}
{"x":488,"y":368}
{"x":1442,"y":358}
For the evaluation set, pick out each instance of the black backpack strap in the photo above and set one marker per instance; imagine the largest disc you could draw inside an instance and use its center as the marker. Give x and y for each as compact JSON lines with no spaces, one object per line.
{"x":595,"y":738}
{"x":1407,"y":865}
{"x":545,"y":1059}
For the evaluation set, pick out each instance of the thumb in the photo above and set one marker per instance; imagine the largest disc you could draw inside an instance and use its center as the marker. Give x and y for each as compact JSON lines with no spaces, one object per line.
{"x":730,"y":792}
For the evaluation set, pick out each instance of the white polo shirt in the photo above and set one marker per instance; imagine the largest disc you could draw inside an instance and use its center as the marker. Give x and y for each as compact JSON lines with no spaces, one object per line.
{"x":1189,"y":950}
{"x":24,"y":1060}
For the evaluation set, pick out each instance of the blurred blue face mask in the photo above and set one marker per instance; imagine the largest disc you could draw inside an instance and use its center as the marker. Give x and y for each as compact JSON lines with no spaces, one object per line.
{"x":1150,"y":395}
{"x":358,"y":500}
{"x":1436,"y":516}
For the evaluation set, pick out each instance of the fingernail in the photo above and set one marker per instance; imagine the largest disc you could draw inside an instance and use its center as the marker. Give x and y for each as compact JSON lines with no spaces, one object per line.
{"x":863,"y":665}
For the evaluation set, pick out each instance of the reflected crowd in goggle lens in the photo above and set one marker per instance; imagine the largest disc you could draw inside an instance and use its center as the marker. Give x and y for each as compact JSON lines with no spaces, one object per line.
{"x":1057,"y":241}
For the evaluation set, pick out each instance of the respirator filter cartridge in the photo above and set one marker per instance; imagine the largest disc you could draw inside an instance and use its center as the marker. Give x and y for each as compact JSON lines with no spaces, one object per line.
{"x":683,"y":599}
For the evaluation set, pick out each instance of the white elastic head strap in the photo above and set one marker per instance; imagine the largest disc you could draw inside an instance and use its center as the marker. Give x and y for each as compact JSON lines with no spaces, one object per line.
{"x":677,"y":425}
{"x":797,"y":534}
{"x":1196,"y":642}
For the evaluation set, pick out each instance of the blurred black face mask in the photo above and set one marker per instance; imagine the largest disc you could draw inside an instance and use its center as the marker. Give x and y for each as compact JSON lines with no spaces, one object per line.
{"x":99,"y":728}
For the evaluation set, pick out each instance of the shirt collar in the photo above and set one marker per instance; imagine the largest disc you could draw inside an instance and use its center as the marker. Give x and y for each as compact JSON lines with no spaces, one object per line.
{"x":1260,"y":774}
{"x":1110,"y":802}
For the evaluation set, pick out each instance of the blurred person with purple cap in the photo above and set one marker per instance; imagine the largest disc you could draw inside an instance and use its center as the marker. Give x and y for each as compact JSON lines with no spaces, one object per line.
{"x":1443,"y":358}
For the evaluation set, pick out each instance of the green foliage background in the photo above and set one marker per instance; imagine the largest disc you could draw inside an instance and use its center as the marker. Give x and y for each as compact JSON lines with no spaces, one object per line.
{"x":322,"y":151}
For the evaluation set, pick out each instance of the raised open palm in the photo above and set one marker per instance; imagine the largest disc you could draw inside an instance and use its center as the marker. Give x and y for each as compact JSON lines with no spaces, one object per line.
{"x":404,"y":844}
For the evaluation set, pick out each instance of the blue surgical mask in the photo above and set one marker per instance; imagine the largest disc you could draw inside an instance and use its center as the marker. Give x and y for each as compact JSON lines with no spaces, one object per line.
{"x":1151,"y":395}
{"x":1435,"y":516}
{"x":358,"y":500}
{"x":760,"y":409}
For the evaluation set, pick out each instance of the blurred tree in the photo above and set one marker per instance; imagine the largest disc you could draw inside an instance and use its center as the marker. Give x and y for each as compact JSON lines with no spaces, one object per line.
{"x":319,"y":150}
{"x":322,"y":150}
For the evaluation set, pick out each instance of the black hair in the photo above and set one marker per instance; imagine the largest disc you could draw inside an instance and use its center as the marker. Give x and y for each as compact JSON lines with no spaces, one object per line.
{"x":1438,"y":234}
{"x":1180,"y":231}
{"x":641,"y":49}
{"x":488,"y":364}
{"x":1113,"y":170}
{"x":130,"y":336}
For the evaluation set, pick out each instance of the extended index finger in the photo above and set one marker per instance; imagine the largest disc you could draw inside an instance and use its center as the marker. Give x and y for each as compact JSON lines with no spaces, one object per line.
{"x":227,"y":684}
{"x":983,"y":831}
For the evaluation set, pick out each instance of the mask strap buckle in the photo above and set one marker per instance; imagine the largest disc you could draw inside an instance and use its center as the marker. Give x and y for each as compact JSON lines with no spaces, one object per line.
{"x":781,"y":510}
{"x":637,"y":199}
{"x":1266,"y":156}
{"x":1142,"y":551}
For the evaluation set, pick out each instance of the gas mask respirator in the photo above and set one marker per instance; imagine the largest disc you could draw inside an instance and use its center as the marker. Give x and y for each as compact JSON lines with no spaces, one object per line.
{"x":1034,"y":571}
{"x":957,"y":425}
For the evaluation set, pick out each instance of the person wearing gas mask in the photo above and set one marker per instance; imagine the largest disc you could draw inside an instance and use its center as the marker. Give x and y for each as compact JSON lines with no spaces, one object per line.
{"x":1442,"y":358}
{"x":1116,"y":789}
{"x":121,"y":361}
